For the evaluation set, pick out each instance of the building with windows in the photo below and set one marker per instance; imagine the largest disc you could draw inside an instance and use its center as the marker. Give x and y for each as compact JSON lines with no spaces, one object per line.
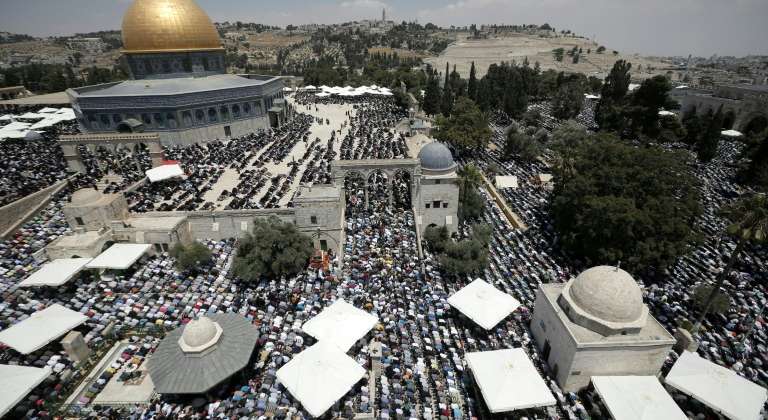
{"x":179,"y":87}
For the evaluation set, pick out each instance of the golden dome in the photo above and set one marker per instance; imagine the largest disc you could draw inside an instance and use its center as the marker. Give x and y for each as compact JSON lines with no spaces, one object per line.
{"x":153,"y":26}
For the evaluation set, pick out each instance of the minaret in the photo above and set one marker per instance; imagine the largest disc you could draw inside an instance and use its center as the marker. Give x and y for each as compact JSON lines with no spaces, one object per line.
{"x":383,"y":14}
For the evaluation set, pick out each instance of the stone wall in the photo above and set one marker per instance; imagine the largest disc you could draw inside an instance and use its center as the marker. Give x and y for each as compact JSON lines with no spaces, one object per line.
{"x":14,"y":215}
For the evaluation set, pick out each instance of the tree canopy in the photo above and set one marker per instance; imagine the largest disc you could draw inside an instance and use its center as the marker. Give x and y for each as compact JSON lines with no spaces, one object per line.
{"x":191,"y":256}
{"x":466,"y":129}
{"x":274,"y":249}
{"x":460,"y":258}
{"x":615,"y":202}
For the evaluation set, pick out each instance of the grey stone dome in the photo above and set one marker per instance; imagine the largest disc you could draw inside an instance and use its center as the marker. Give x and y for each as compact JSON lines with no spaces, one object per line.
{"x":608,"y":293}
{"x":86,"y":196}
{"x":436,"y":157}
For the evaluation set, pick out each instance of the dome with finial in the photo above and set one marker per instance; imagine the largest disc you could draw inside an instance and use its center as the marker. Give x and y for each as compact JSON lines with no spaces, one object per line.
{"x":436,"y":157}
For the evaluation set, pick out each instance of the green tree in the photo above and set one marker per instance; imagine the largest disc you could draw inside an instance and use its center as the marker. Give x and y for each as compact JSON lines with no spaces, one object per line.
{"x":522,"y":145}
{"x":468,"y":256}
{"x":706,"y":144}
{"x":466,"y":129}
{"x":472,"y":84}
{"x":609,"y":113}
{"x":749,"y":224}
{"x":616,"y":202}
{"x":719,"y":306}
{"x":646,"y":102}
{"x":192,"y":256}
{"x":436,"y":238}
{"x":558,"y":54}
{"x":569,"y":99}
{"x":755,"y":172}
{"x":274,"y":249}
{"x":432,"y":94}
{"x":471,"y":204}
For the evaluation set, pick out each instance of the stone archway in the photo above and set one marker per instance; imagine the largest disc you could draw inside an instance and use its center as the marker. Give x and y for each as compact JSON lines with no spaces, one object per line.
{"x":402,"y":185}
{"x":390,"y":167}
{"x":70,"y":145}
{"x":355,"y":192}
{"x":729,"y":119}
{"x":378,"y":189}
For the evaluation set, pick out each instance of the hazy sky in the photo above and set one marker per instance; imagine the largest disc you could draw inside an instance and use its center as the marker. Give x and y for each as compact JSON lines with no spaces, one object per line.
{"x":662,"y":27}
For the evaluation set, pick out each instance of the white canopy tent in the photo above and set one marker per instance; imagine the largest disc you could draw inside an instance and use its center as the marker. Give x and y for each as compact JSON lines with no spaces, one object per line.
{"x":18,"y":381}
{"x":319,"y":376}
{"x":637,"y":398}
{"x":506,"y":182}
{"x":163,"y":172}
{"x":719,"y":388}
{"x":483,"y":303}
{"x":731,"y":133}
{"x":56,"y":272}
{"x":665,"y":113}
{"x":41,"y":328}
{"x":119,"y":256}
{"x":340,"y":324}
{"x":508,"y":380}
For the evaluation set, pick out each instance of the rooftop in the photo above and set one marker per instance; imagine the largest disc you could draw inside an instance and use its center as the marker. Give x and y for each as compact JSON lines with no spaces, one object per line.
{"x":175,"y":86}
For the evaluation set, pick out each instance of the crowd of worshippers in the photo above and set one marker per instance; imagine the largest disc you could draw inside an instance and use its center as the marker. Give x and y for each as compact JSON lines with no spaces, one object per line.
{"x":423,"y":339}
{"x":267,"y":172}
{"x":28,"y":166}
{"x":371,"y":132}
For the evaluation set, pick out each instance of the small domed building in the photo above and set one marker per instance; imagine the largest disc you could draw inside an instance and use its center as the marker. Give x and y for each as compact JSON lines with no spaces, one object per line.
{"x":202,"y":354}
{"x":597,"y":325}
{"x":438,"y":201}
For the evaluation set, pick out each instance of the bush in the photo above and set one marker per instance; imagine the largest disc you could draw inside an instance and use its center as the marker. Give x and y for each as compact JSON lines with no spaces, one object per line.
{"x":274,"y":249}
{"x":191,"y":256}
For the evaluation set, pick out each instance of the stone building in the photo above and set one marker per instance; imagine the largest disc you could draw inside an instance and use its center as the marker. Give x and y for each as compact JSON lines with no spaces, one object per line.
{"x":98,"y":220}
{"x":179,"y":85}
{"x":438,"y":199}
{"x":597,"y":325}
{"x":745,"y":107}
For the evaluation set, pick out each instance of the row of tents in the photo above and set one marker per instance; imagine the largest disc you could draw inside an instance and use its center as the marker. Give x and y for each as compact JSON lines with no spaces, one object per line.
{"x":31,"y":124}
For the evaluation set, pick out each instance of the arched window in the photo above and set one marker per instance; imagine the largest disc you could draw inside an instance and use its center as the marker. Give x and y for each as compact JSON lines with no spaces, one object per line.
{"x":247,"y":108}
{"x":116,"y":118}
{"x":104,"y":120}
{"x":146,"y":119}
{"x":224,"y":111}
{"x":212,"y":116}
{"x":200,"y":116}
{"x":171,"y":119}
{"x":235,"y":111}
{"x":186,"y":117}
{"x":159,"y":120}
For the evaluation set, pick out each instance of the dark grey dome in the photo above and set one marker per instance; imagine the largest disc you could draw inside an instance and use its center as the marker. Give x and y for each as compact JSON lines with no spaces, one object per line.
{"x":436,"y":157}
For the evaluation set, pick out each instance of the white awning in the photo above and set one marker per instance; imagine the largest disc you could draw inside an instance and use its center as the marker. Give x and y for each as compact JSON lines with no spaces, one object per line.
{"x":731,"y":133}
{"x":319,"y":376}
{"x":633,"y":86}
{"x":665,"y":113}
{"x":508,"y":380}
{"x":720,"y":388}
{"x":41,"y":328}
{"x":588,"y":96}
{"x":119,"y":256}
{"x":18,"y":381}
{"x":56,"y":272}
{"x":637,"y":398}
{"x":161,"y":173}
{"x":483,"y":303}
{"x":506,"y":182}
{"x":340,"y":324}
